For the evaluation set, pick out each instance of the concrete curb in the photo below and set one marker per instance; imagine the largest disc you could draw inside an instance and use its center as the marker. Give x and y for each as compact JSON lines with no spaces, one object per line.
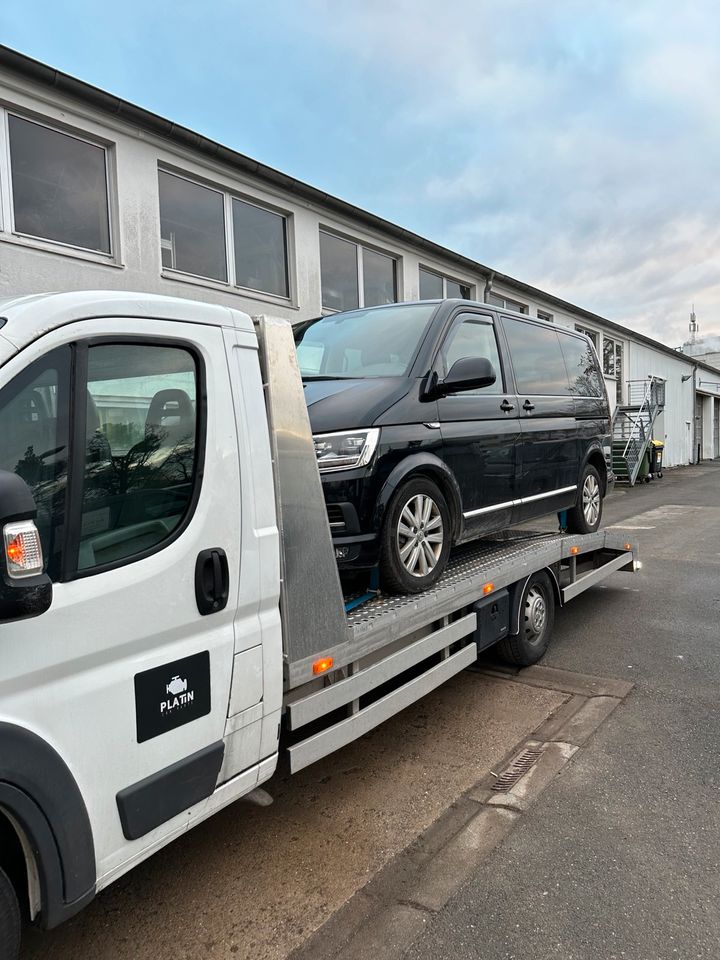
{"x":385,"y":917}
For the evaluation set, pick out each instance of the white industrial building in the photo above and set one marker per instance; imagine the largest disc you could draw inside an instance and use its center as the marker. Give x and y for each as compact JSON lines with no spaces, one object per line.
{"x":98,"y":193}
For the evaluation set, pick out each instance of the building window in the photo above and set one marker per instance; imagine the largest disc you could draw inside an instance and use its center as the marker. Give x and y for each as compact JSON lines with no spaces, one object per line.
{"x":59,"y":186}
{"x":434,"y":286}
{"x":592,"y":334}
{"x":354,"y":276}
{"x":613,"y":363}
{"x":194,"y":223}
{"x":192,"y":228}
{"x":260,"y":241}
{"x":547,"y":317}
{"x":507,"y":304}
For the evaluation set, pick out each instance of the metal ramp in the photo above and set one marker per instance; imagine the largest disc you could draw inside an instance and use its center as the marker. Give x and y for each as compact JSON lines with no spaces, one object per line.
{"x":633,"y":425}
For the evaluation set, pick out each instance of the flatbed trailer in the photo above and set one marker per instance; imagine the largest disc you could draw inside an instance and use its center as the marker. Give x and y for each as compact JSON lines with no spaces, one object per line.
{"x":182,"y":673}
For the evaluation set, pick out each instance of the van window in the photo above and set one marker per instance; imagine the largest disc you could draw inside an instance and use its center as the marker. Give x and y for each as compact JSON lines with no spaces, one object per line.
{"x":34,"y":443}
{"x":140,"y":451}
{"x":582,"y":366}
{"x":537,"y":359}
{"x":473,"y":336}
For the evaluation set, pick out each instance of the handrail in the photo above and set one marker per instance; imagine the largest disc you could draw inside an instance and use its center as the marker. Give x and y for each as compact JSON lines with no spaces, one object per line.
{"x":653,"y":399}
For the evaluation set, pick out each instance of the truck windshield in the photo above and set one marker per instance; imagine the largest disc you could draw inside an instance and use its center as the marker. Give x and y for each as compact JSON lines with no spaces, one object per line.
{"x":379,"y":342}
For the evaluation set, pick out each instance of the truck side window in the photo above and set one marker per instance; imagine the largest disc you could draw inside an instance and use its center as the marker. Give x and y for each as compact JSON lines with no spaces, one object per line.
{"x":34,"y":414}
{"x":473,"y":336}
{"x":141,"y":456}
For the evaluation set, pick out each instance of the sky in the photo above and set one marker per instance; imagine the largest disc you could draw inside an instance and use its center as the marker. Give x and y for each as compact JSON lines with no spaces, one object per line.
{"x":572,"y":145}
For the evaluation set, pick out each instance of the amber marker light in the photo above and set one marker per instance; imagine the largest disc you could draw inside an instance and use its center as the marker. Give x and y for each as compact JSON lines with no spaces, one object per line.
{"x":574,"y":550}
{"x":488,"y":587}
{"x":323,"y":665}
{"x":15,"y":550}
{"x":628,"y":546}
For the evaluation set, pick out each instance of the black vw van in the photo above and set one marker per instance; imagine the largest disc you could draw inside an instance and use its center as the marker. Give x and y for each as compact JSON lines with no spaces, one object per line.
{"x":442,"y":421}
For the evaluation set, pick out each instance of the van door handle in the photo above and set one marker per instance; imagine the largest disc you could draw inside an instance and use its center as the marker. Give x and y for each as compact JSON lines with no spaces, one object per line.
{"x":212,"y":581}
{"x":528,"y":406}
{"x":506,"y":405}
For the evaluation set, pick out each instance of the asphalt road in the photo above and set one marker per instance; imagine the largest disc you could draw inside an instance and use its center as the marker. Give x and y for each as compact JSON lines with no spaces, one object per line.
{"x":620,"y":857}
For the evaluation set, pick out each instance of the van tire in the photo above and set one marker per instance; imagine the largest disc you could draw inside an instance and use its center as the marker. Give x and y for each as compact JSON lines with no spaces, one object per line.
{"x":9,"y":920}
{"x":395,"y":577}
{"x":584,"y":517}
{"x":537,"y":618}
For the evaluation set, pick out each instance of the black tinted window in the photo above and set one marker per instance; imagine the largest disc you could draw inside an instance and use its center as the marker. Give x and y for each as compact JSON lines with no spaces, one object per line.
{"x":582,"y":367}
{"x":537,"y":359}
{"x":473,"y":337}
{"x":34,"y":443}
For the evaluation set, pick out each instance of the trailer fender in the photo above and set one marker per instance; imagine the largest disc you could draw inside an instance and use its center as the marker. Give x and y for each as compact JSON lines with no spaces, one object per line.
{"x":519,"y":588}
{"x":429,"y":465}
{"x":41,"y":796}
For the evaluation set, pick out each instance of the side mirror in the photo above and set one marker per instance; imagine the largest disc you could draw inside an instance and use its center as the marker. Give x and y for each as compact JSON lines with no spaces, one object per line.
{"x":468,"y":373}
{"x":25,"y":590}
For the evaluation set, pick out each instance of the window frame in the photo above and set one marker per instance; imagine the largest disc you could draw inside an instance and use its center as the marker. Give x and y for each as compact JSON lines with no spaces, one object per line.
{"x":439,"y":364}
{"x":592,"y":335}
{"x":360,"y":246}
{"x":8,"y":230}
{"x":525,"y":307}
{"x":76,"y":461}
{"x":545,"y":316}
{"x":619,"y":383}
{"x":230,"y":285}
{"x":445,"y":280}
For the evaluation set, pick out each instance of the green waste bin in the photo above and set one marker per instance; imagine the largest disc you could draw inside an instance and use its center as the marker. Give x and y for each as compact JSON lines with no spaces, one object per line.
{"x":656,"y":458}
{"x":644,"y":471}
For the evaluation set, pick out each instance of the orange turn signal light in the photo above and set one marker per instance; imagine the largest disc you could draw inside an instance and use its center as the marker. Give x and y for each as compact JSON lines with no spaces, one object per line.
{"x":628,"y":546}
{"x":488,"y":587}
{"x":15,"y":550}
{"x":574,"y":550}
{"x":323,"y":665}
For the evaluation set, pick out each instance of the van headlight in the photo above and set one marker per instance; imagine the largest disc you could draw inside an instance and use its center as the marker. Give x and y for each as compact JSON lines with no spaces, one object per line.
{"x":342,"y":451}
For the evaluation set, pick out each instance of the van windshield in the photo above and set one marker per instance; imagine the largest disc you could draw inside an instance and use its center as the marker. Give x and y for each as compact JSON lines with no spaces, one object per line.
{"x":379,"y":342}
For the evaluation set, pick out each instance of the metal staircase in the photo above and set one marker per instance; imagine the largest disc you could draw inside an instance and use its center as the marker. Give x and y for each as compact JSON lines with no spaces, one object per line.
{"x":633,"y":425}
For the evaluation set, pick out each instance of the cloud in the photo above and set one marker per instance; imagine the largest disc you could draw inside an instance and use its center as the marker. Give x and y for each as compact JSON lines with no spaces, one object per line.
{"x":580,"y":145}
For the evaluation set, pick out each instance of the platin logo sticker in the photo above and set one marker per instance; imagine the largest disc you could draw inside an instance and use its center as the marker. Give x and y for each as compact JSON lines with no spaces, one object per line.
{"x":172,"y":694}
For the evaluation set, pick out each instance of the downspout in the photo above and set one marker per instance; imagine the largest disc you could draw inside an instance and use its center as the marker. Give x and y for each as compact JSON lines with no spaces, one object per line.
{"x":488,"y":286}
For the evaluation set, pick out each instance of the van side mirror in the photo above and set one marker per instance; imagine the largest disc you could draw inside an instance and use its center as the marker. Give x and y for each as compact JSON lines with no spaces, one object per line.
{"x":25,"y":590}
{"x":468,"y":373}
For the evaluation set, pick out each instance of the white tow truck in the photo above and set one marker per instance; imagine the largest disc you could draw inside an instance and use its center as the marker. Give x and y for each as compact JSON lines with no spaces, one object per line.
{"x":172,"y":622}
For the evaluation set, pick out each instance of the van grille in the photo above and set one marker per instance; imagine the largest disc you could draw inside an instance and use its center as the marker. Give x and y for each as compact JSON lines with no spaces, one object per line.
{"x":336,"y":517}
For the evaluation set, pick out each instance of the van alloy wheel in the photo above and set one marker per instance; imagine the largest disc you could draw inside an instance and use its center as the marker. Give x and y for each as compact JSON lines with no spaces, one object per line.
{"x":591,"y":499}
{"x":420,"y":535}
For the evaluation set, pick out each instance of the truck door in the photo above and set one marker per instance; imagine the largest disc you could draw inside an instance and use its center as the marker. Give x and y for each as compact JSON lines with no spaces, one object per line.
{"x":128,"y":444}
{"x":480,"y":428}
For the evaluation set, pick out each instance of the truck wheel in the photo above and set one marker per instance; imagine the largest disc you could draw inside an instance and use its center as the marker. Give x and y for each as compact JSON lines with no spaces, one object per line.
{"x":9,"y":920}
{"x":537,"y":616}
{"x":586,"y":515}
{"x":415,"y":539}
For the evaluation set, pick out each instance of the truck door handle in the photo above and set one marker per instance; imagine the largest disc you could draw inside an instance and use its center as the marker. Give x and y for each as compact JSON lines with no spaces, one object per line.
{"x":506,"y":405}
{"x":528,"y":406}
{"x":212,"y":581}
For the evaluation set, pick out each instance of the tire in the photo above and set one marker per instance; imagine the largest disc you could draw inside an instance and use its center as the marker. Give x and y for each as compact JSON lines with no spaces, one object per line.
{"x":416,"y":538}
{"x":537,"y":618}
{"x":586,"y":515}
{"x":9,"y":920}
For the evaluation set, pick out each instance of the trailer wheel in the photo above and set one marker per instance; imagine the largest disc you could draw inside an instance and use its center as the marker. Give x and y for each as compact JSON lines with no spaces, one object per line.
{"x":416,"y":538}
{"x":586,"y":515}
{"x":537,"y":616}
{"x":9,"y":920}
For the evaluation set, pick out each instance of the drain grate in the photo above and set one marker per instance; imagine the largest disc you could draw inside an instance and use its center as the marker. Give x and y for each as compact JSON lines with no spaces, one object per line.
{"x":517,"y":768}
